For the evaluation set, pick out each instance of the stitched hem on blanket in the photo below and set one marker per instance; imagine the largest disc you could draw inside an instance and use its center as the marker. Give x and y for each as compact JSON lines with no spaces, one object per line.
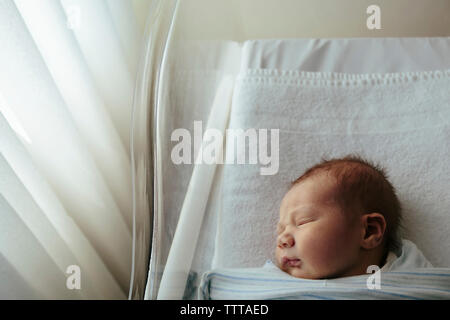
{"x":295,"y":77}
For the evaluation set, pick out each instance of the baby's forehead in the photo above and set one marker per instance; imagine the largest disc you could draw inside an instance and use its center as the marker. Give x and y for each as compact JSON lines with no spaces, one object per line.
{"x":323,"y":185}
{"x":313,"y":191}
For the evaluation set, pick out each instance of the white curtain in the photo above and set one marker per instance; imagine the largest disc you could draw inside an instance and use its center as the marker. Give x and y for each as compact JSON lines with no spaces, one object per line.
{"x":67,"y":72}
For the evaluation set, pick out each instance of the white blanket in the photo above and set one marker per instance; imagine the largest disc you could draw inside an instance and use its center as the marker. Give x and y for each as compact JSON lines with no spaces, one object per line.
{"x":407,"y":276}
{"x":400,"y":121}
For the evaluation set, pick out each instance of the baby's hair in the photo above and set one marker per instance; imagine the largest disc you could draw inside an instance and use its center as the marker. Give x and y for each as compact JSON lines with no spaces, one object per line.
{"x":363,"y":187}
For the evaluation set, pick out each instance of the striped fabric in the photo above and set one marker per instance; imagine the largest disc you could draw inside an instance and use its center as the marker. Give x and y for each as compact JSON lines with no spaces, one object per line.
{"x":270,"y":282}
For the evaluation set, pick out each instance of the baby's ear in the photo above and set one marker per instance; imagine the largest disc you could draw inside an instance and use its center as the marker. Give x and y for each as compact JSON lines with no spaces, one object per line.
{"x":374,"y":227}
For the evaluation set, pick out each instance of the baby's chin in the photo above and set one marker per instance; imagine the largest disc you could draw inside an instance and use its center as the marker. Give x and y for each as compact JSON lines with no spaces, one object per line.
{"x":298,"y":273}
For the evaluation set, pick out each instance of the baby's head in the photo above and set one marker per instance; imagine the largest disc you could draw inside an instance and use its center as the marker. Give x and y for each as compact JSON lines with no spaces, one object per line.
{"x":338,"y":218}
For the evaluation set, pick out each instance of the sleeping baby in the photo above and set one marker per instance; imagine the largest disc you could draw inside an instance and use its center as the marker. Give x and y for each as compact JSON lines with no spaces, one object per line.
{"x":340,"y":217}
{"x":337,"y":221}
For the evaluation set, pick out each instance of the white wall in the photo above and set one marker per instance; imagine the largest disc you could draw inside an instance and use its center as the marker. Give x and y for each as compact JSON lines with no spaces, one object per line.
{"x":313,"y":18}
{"x":346,"y":18}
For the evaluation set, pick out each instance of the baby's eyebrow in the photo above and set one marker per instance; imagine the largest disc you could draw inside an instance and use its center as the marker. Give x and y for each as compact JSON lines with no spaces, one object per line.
{"x":303,"y":211}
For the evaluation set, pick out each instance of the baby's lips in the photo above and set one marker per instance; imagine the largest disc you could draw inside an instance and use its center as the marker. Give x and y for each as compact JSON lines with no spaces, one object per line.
{"x":291,"y":262}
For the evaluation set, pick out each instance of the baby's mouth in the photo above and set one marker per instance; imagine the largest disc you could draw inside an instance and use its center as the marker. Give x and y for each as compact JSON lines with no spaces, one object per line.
{"x":291,"y":262}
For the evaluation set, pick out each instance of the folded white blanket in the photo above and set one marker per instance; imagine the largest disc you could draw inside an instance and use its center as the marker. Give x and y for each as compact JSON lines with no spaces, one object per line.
{"x":400,"y":121}
{"x":409,"y":257}
{"x":407,"y":276}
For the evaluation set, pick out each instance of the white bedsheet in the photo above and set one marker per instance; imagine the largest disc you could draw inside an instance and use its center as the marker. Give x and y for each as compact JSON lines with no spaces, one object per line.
{"x":358,"y":55}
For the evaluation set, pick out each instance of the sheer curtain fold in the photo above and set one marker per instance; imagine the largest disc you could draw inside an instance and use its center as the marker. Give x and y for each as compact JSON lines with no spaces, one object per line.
{"x":46,"y":278}
{"x":95,"y":32}
{"x":128,"y":31}
{"x":66,"y":91}
{"x":38,"y":208}
{"x":68,"y":69}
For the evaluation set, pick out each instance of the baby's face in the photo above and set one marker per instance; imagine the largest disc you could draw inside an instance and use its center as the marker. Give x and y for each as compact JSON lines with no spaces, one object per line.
{"x":316,"y":239}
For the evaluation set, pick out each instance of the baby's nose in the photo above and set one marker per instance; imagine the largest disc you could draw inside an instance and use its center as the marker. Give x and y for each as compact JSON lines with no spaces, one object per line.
{"x":286,"y":241}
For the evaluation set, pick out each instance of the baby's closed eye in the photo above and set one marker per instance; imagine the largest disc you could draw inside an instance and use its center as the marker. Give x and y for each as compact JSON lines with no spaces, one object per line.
{"x":303,"y":221}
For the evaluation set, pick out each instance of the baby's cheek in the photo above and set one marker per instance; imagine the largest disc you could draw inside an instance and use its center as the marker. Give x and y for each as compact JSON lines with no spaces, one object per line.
{"x":314,"y":249}
{"x":321,"y":248}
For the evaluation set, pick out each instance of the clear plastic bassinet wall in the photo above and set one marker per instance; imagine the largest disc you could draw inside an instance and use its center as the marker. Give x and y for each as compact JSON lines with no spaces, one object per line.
{"x":196,"y":201}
